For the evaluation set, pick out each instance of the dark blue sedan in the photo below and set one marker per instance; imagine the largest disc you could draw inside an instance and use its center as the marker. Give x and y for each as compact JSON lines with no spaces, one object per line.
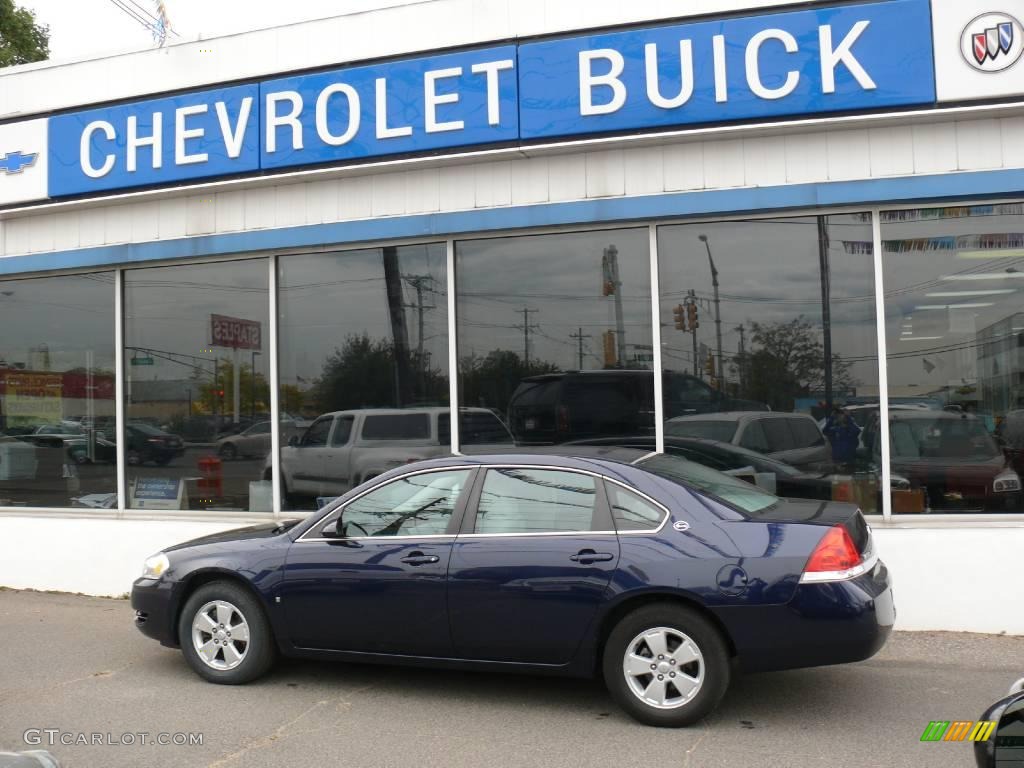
{"x":660,"y":574}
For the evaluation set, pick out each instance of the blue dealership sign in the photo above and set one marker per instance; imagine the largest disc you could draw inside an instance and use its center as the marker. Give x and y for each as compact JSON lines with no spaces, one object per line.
{"x":834,"y":59}
{"x":437,"y":102}
{"x":209,"y":133}
{"x":846,"y":58}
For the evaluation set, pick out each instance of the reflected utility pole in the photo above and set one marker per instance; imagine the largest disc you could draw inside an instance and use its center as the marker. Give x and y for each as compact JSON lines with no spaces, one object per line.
{"x":527,"y":327}
{"x":718,"y":313}
{"x":399,"y":332}
{"x":742,"y":354}
{"x":420,"y":283}
{"x":578,"y":337}
{"x":826,"y":307}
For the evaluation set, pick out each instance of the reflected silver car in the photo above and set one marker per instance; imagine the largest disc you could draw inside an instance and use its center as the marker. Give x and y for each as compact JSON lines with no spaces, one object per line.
{"x":793,"y":438}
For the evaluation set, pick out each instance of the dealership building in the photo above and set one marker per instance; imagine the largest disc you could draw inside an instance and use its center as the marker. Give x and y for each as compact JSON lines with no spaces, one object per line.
{"x":241,"y":274}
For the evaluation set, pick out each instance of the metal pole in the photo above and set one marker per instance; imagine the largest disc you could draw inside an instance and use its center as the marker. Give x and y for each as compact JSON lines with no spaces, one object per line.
{"x":692,"y":299}
{"x":718,"y":314}
{"x":826,"y":308}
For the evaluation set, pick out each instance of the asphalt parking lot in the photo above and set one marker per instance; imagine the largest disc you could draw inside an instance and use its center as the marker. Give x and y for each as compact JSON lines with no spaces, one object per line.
{"x":78,"y":665}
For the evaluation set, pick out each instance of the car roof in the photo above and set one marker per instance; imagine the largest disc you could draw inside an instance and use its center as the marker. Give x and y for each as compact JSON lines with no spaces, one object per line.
{"x":605,"y":459}
{"x":431,"y":409}
{"x":920,"y":414}
{"x":739,"y":416}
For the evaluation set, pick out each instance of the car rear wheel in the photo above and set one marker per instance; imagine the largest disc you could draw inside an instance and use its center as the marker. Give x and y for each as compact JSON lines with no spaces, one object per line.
{"x":666,"y":665}
{"x":224,"y":634}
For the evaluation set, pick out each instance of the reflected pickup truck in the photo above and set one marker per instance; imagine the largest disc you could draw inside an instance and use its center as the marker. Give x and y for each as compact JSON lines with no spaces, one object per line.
{"x":340,"y":450}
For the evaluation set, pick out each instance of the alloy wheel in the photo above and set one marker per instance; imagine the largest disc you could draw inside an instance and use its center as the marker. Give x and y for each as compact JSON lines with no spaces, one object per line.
{"x":220,"y":635}
{"x":663,"y":667}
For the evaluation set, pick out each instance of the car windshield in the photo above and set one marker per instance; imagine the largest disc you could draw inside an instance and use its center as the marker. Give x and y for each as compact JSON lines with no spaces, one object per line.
{"x":743,"y":496}
{"x":946,"y":438}
{"x":722,"y":431}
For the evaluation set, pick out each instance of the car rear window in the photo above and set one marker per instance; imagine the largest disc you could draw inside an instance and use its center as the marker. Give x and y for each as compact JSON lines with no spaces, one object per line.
{"x":806,"y":433}
{"x":537,"y":392}
{"x":474,"y":429}
{"x":722,"y":431}
{"x":398,"y":426}
{"x":740,"y":495}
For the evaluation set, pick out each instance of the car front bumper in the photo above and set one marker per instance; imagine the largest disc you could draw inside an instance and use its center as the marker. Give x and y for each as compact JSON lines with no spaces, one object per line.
{"x":826,"y":623}
{"x":154,"y":614}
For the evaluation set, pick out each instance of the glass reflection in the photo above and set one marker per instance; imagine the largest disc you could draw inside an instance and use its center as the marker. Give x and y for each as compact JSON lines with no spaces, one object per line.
{"x":555,"y":335}
{"x":955,"y":333}
{"x":768,"y":342}
{"x":363,"y":351}
{"x":197,"y":401}
{"x":57,"y":430}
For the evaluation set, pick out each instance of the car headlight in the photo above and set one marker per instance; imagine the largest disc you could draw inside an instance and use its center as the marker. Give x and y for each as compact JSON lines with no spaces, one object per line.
{"x":899,"y":483}
{"x":155,"y":566}
{"x":1006,"y":481}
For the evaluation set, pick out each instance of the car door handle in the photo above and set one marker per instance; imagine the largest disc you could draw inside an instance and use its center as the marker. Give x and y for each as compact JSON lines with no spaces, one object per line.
{"x":588,"y":556}
{"x":418,"y":558}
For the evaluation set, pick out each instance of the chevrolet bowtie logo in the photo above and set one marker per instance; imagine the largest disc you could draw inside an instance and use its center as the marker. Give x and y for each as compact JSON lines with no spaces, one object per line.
{"x":16,"y":162}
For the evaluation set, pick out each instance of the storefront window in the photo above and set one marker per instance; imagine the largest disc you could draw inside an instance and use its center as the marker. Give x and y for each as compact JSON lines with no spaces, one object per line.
{"x":770,"y":354}
{"x":555,"y":338}
{"x":363,"y":359}
{"x":955,"y":337}
{"x":57,"y":430}
{"x":197,"y":402}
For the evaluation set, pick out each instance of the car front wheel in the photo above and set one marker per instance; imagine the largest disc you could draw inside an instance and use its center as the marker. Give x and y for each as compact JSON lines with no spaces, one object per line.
{"x":224,"y":634}
{"x":666,"y":665}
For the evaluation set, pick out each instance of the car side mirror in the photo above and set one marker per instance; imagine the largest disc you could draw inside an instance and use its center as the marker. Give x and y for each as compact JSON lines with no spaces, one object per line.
{"x":1006,"y":743}
{"x":293,"y":441}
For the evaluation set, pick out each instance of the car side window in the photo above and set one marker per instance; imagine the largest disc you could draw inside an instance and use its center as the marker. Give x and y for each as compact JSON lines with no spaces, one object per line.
{"x":631,"y":512}
{"x":416,"y":505}
{"x":753,"y":438}
{"x":316,"y":435}
{"x":516,"y":500}
{"x":342,"y":431}
{"x":806,"y":433}
{"x":780,"y":438}
{"x":260,"y":429}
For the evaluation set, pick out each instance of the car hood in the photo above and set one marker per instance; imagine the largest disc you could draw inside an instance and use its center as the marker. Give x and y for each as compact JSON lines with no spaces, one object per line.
{"x":261,"y":531}
{"x":962,"y":467}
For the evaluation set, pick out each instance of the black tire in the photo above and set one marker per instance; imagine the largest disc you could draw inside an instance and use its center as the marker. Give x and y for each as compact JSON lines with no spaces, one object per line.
{"x":712,"y":649}
{"x":228,"y":452}
{"x":259,"y":652}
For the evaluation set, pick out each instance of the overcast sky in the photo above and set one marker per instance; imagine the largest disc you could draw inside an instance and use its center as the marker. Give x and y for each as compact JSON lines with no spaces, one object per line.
{"x":82,"y":28}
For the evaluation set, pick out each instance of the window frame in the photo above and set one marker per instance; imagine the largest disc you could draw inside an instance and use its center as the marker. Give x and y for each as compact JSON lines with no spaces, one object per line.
{"x":273,"y":255}
{"x":315,"y":532}
{"x":601,"y":518}
{"x":643,"y":497}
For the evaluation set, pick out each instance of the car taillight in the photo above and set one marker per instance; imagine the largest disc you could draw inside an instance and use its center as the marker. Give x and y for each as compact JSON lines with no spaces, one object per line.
{"x":562,"y":416}
{"x":835,"y":552}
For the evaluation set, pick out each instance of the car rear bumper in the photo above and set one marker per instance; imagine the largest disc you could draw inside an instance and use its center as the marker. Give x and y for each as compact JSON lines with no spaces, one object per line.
{"x":153,"y":613}
{"x":828,"y":623}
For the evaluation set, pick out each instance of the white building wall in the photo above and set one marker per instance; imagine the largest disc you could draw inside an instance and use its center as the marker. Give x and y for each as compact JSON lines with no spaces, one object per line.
{"x":527,"y":177}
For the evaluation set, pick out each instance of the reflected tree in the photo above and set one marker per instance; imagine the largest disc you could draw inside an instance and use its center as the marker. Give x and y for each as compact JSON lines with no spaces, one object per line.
{"x":787,"y":362}
{"x":364,"y":373}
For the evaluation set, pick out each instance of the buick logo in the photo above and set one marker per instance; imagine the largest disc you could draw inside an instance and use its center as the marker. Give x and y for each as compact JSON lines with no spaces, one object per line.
{"x":992,"y":42}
